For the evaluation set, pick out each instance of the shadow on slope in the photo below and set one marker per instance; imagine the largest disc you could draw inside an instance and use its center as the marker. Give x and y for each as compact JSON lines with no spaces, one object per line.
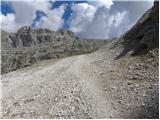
{"x":144,"y":35}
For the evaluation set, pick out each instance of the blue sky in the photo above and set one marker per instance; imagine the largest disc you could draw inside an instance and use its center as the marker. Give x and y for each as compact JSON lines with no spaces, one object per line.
{"x":87,"y":19}
{"x":5,"y":8}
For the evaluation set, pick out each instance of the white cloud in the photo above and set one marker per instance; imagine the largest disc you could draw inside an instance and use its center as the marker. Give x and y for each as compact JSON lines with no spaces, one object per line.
{"x":102,"y":24}
{"x":8,"y":23}
{"x":94,"y":19}
{"x":101,"y":3}
{"x":82,"y":15}
{"x":25,"y":12}
{"x":53,"y":20}
{"x":107,"y":18}
{"x":86,"y":21}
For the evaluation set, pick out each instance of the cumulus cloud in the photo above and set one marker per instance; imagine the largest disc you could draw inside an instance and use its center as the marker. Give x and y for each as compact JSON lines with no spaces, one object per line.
{"x":82,"y":15}
{"x":8,"y":22}
{"x":106,"y":19}
{"x":101,"y":3}
{"x":53,"y":20}
{"x":91,"y":19}
{"x":104,"y":24}
{"x":25,"y":12}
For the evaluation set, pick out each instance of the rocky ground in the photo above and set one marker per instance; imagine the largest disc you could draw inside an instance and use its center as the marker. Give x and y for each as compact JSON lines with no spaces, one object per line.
{"x":84,"y":86}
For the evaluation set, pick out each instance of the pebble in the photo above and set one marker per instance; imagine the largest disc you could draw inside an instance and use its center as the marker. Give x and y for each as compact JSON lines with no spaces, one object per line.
{"x":120,"y":101}
{"x":153,"y":97}
{"x":137,"y":98}
{"x":56,"y":99}
{"x":43,"y":75}
{"x":113,"y":87}
{"x":129,"y":83}
{"x":136,"y":85}
{"x":65,"y":97}
{"x":114,"y":107}
{"x":105,"y":89}
{"x":49,"y":98}
{"x":130,"y":67}
{"x":131,"y":78}
{"x":101,"y":73}
{"x":143,"y":104}
{"x":112,"y":70}
{"x":130,"y":71}
{"x":144,"y":95}
{"x":141,"y":64}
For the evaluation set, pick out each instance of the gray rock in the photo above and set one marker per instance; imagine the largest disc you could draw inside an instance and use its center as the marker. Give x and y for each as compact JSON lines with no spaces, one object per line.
{"x":29,"y":45}
{"x":143,"y":36}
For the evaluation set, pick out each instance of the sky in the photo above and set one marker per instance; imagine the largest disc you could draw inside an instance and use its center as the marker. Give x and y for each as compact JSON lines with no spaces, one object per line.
{"x":98,"y":19}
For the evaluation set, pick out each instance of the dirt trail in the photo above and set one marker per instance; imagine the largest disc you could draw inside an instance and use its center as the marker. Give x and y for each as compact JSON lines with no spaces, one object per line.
{"x":75,"y":87}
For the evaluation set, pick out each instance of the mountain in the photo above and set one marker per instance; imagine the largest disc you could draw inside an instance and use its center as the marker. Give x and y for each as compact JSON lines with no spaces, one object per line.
{"x":144,"y":35}
{"x":118,"y":80}
{"x":28,"y":46}
{"x":27,"y":37}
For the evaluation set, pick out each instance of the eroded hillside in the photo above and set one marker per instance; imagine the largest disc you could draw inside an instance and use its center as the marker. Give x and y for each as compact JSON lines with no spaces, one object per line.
{"x":144,"y":35}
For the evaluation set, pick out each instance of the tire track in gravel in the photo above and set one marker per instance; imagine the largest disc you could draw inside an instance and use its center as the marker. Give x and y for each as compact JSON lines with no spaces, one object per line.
{"x":86,"y":73}
{"x":69,"y":88}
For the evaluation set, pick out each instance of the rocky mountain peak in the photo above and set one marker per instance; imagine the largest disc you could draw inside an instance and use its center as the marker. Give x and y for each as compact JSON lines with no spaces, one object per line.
{"x":66,"y":32}
{"x":31,"y":30}
{"x":28,"y":36}
{"x":24,"y":29}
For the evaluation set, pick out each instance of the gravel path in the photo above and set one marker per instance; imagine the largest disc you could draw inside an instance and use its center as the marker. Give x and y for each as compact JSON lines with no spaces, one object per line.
{"x":85,"y":86}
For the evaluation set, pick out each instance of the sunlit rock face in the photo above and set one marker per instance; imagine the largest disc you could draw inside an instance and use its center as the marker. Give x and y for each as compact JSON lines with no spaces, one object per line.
{"x":27,"y":36}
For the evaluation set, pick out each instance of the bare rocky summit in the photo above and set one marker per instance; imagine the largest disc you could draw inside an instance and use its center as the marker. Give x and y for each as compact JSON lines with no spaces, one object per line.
{"x":28,"y":36}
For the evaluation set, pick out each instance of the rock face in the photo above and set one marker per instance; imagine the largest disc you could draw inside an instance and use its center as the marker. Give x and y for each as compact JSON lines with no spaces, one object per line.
{"x":27,"y":37}
{"x":144,"y":35}
{"x":29,"y":45}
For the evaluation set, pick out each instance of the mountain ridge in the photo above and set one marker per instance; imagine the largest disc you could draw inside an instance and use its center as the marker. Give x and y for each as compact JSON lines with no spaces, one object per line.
{"x":29,"y":45}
